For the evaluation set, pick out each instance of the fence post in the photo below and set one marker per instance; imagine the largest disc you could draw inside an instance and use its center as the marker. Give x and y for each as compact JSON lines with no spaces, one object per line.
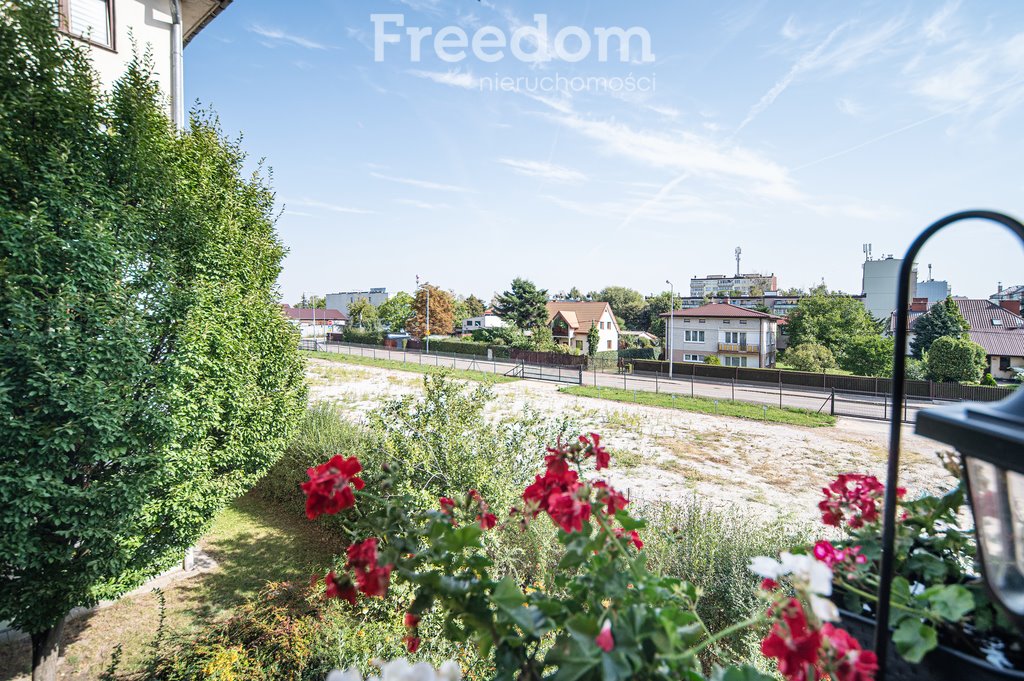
{"x":905,"y":401}
{"x":733,"y":388}
{"x":655,"y":384}
{"x":885,"y":407}
{"x":691,"y":385}
{"x":624,"y":381}
{"x":833,"y":410}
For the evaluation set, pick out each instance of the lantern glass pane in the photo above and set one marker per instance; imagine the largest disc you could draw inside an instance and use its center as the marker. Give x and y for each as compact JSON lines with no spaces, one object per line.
{"x":998,"y":500}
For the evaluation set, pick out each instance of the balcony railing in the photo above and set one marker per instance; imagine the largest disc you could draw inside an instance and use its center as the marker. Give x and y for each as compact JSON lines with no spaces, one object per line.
{"x":741,"y":348}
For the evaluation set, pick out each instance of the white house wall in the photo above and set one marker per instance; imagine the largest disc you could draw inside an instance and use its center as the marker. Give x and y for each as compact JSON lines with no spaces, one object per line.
{"x":148,"y":22}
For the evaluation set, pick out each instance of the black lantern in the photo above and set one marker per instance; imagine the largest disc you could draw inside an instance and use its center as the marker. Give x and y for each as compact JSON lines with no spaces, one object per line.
{"x":990,"y":439}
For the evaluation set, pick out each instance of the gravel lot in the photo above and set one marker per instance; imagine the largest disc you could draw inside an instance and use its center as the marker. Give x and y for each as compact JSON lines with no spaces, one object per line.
{"x":667,"y":454}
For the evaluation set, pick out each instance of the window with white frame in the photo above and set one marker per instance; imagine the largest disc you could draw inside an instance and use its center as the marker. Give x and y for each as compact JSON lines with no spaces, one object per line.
{"x":735,"y":361}
{"x":693,"y":336}
{"x":738,"y":337}
{"x":90,"y":20}
{"x":693,"y":358}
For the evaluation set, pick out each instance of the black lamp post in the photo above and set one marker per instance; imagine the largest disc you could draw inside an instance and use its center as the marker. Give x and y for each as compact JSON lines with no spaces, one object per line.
{"x":990,"y":439}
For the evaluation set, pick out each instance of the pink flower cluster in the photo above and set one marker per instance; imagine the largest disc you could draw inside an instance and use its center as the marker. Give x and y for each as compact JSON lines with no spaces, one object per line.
{"x":561,"y":494}
{"x":853,"y":498}
{"x":833,"y":557}
{"x":808,"y":654}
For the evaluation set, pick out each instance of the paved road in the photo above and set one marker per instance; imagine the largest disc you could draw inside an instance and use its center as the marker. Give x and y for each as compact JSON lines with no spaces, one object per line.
{"x":846,"y":404}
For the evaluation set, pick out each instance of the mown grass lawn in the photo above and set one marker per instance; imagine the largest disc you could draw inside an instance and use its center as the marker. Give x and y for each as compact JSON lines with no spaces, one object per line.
{"x":466,"y":374}
{"x":252,"y":543}
{"x":704,"y":405}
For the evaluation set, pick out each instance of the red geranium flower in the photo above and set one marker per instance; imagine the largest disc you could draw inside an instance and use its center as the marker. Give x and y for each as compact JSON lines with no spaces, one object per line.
{"x":487,"y":520}
{"x":412,"y":643}
{"x":363,"y":554}
{"x":411,"y":620}
{"x":343,"y":590}
{"x":329,"y":488}
{"x":375,"y":580}
{"x":632,"y":535}
{"x":601,"y":456}
{"x":793,"y":644}
{"x":604,"y":639}
{"x":568,"y":512}
{"x":447,"y":505}
{"x":845,"y":660}
{"x":610,"y":496}
{"x":768,"y":584}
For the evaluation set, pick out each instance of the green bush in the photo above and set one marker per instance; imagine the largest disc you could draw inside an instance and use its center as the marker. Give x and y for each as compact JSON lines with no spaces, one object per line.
{"x":810,"y":357}
{"x":955,"y":360}
{"x":652,"y":353}
{"x":352,"y":335}
{"x":988,"y":380}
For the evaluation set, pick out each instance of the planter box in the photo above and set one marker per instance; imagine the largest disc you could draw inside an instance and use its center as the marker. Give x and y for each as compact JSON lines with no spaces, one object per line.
{"x":942,"y":664}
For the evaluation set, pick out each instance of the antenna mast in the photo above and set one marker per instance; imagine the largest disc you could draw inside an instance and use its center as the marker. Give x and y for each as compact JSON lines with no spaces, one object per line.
{"x":739,"y":251}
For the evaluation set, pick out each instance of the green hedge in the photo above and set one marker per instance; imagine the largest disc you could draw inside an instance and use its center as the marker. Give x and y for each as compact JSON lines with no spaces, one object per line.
{"x":350,"y":335}
{"x":640,"y":353}
{"x":462,"y":348}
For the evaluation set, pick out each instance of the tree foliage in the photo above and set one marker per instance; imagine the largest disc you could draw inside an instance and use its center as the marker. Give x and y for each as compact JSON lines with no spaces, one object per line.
{"x":395,"y":312}
{"x":593,"y":340}
{"x":314,"y":302}
{"x":952,"y":359}
{"x":810,"y":357}
{"x":442,"y":312}
{"x":943,"y":319}
{"x":524,"y":305}
{"x":363,"y":315}
{"x":869,"y":355}
{"x":474,"y":306}
{"x":712,"y":360}
{"x":830,"y":320}
{"x":148,"y":376}
{"x":627,"y":304}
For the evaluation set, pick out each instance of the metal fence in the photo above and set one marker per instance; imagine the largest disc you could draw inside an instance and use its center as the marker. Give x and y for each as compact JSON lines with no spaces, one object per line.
{"x":838,"y":402}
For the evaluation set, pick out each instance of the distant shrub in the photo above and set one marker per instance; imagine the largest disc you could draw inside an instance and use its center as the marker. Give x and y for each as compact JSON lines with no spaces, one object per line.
{"x":810,"y":357}
{"x":351,"y":335}
{"x":988,"y":380}
{"x":712,"y":360}
{"x":640,"y":353}
{"x":955,"y":360}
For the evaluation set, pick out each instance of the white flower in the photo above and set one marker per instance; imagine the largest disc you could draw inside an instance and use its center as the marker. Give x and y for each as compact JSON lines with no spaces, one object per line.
{"x":350,"y":674}
{"x":766,"y":567}
{"x":449,"y":671}
{"x":824,"y":609}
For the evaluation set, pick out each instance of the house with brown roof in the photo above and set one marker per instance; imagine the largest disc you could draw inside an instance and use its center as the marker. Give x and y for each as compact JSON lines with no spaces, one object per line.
{"x":738,"y":336}
{"x":997,"y":327}
{"x":313,"y":322}
{"x":570,"y":322}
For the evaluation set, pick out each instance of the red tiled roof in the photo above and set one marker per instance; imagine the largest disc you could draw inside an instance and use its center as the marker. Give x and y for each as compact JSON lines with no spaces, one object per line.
{"x":1000,"y":343}
{"x":306,"y":313}
{"x":725,"y":310}
{"x":585,"y":313}
{"x":980,"y":313}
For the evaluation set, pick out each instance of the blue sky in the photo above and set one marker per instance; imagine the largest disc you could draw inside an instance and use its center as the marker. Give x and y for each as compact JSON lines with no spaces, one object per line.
{"x":798,"y":131}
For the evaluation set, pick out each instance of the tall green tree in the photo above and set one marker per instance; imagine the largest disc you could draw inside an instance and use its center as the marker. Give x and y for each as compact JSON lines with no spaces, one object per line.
{"x":315,"y":302}
{"x":830,"y":320}
{"x":593,"y":340}
{"x":574,"y":294}
{"x":628,"y":305}
{"x":869,"y":355}
{"x":363,"y":315}
{"x":524,"y":305}
{"x":943,"y":319}
{"x":955,"y":359}
{"x":395,"y":312}
{"x":147,"y":374}
{"x":474,"y":306}
{"x":656,"y":305}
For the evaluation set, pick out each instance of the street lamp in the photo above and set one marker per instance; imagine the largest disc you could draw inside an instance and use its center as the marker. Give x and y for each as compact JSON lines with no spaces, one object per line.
{"x":990,"y":440}
{"x":426,"y":287}
{"x":671,"y":319}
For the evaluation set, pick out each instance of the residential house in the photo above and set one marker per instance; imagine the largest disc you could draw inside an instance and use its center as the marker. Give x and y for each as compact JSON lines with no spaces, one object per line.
{"x":999,"y":328}
{"x":341,"y":301}
{"x":776,"y":304}
{"x":164,"y":27}
{"x":1008,"y":293}
{"x":488,"y":320}
{"x":738,"y":336}
{"x":313,"y":322}
{"x":570,"y":322}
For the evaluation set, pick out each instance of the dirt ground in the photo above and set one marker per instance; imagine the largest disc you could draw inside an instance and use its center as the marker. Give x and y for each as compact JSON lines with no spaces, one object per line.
{"x":659,"y":454}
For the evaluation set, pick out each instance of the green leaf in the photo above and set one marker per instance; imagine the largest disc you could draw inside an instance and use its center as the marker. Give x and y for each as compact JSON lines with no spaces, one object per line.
{"x":742,"y":673}
{"x":628,"y":522}
{"x":914,"y":640}
{"x":951,"y":602}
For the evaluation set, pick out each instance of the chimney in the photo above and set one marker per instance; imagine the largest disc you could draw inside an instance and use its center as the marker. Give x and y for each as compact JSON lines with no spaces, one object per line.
{"x":1010,"y":306}
{"x":919,"y":305}
{"x":1000,"y":289}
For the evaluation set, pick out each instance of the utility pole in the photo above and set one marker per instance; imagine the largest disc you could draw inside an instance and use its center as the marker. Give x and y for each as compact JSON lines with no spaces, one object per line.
{"x":671,"y":319}
{"x":426,"y":287}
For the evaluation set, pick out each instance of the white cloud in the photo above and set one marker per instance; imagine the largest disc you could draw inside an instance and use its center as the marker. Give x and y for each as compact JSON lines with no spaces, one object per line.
{"x":420,"y":184}
{"x":689,"y":153}
{"x":790,"y":31}
{"x":462,"y":79}
{"x":275,"y":34}
{"x":323,"y":205}
{"x":543,"y":170}
{"x":939,"y":25}
{"x":850,"y":107}
{"x":422,"y":204}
